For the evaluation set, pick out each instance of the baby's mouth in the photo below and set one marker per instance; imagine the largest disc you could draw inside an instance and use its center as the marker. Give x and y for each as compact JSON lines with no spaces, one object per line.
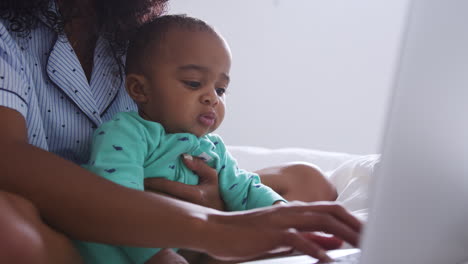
{"x":207,"y":119}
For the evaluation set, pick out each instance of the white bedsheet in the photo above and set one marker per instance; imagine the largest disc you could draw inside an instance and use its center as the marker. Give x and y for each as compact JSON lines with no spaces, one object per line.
{"x":351,"y":174}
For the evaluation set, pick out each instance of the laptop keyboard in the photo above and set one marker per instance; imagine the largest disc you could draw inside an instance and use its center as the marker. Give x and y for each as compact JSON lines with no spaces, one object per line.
{"x":348,"y":259}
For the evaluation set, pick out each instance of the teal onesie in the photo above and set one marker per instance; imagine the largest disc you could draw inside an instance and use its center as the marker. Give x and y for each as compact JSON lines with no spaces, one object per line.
{"x":129,"y":149}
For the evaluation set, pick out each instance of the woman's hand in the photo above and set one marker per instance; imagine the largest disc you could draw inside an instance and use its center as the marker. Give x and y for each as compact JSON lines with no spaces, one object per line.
{"x":206,"y":193}
{"x":327,"y":242}
{"x":249,"y":234}
{"x":277,"y":228}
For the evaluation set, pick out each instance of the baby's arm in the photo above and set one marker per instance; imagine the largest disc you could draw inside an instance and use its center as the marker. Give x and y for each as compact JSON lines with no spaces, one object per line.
{"x":118,"y":153}
{"x":241,"y":189}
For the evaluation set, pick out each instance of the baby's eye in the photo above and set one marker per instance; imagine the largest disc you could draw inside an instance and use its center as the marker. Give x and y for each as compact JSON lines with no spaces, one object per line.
{"x":192,"y":84}
{"x":220,"y":91}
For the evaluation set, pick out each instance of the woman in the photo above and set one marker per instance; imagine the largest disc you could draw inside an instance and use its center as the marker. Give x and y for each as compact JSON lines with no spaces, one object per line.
{"x":59,"y":78}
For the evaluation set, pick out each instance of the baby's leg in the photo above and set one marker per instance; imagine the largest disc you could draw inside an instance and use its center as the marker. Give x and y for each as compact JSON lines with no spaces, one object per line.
{"x":167,"y":256}
{"x":299,"y":181}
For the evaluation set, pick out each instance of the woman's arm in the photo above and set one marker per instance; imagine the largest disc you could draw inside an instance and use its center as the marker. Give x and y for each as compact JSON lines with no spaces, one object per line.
{"x":87,"y":207}
{"x":84,"y":205}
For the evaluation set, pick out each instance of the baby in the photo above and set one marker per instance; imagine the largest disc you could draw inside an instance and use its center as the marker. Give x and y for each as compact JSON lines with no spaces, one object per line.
{"x":177,"y":72}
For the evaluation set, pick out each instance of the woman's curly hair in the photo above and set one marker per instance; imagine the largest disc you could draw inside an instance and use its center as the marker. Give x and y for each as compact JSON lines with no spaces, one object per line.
{"x":117,"y":19}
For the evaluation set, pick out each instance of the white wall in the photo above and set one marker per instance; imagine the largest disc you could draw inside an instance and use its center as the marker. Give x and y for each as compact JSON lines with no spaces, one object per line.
{"x":306,"y":73}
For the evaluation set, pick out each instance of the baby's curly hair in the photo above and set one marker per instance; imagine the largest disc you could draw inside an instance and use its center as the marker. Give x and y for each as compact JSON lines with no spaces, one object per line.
{"x":152,"y":33}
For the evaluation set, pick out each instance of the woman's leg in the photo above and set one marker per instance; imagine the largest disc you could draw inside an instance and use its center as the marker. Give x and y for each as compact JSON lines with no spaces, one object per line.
{"x":25,"y":238}
{"x":299,"y":181}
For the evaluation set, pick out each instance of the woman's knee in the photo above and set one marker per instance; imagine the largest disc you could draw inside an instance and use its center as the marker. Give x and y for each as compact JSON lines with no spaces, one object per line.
{"x":25,"y":238}
{"x":308,"y":183}
{"x":299,"y":181}
{"x":21,"y":242}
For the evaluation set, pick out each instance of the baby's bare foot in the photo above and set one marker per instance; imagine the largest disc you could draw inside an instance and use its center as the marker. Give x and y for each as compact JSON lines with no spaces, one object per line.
{"x":167,"y":256}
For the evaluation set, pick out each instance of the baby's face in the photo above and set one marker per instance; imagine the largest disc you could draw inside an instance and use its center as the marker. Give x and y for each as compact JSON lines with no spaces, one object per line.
{"x":188,"y":81}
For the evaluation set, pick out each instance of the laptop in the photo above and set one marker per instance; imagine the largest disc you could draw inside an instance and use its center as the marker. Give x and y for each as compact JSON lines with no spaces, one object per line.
{"x":419,"y":196}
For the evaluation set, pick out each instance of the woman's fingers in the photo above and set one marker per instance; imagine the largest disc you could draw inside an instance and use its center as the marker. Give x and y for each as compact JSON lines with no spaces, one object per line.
{"x":329,"y":224}
{"x":306,"y":246}
{"x":206,"y":193}
{"x":205,"y":173}
{"x":327,"y":242}
{"x":208,"y":184}
{"x":325,"y":223}
{"x":330,"y":218}
{"x":340,"y":213}
{"x":330,"y":208}
{"x":282,"y":227}
{"x":172,"y":188}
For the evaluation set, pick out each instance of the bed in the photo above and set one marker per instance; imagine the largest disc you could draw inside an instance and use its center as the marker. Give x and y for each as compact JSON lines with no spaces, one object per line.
{"x":351,"y":174}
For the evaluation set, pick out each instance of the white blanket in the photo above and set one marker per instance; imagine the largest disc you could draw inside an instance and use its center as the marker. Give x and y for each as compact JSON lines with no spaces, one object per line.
{"x":352,"y":181}
{"x":350,"y":173}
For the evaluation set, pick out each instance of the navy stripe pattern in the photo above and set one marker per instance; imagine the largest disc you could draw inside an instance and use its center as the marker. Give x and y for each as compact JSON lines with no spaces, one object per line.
{"x":42,"y":78}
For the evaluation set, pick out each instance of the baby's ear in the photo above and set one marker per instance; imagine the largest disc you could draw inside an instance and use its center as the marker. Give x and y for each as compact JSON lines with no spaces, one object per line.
{"x":136,"y":87}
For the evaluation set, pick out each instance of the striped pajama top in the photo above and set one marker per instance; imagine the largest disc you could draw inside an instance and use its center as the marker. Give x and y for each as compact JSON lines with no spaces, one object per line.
{"x":42,"y":78}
